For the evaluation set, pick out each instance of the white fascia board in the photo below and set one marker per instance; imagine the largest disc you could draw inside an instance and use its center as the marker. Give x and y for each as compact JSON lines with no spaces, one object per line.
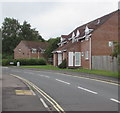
{"x":64,"y":42}
{"x":70,"y":38}
{"x":59,"y":51}
{"x":64,"y":50}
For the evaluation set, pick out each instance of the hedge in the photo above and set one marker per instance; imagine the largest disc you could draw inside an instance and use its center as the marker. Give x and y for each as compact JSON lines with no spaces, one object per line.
{"x":41,"y":61}
{"x":63,"y":64}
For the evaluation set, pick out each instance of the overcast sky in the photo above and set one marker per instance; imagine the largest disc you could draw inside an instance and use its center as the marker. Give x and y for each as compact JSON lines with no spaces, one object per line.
{"x":53,"y":18}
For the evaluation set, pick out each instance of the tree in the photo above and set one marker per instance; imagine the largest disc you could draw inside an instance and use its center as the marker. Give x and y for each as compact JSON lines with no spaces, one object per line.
{"x":10,"y":34}
{"x":116,"y":52}
{"x":53,"y":44}
{"x":13,"y":33}
{"x":27,"y":33}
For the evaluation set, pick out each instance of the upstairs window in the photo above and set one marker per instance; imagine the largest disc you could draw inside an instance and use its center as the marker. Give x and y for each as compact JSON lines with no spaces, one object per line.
{"x":34,"y":50}
{"x":78,"y":33}
{"x":42,"y":50}
{"x":110,"y":43}
{"x":19,"y":50}
{"x":87,"y":31}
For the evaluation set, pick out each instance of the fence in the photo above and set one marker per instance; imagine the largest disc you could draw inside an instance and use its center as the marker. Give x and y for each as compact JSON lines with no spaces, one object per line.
{"x":104,"y":63}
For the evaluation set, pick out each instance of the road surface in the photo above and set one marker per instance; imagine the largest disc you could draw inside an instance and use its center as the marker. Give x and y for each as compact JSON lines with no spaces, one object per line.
{"x":73,"y":93}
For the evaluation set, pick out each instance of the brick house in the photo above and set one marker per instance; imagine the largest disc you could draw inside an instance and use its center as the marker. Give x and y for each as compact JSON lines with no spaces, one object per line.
{"x":30,"y":49}
{"x":90,"y":45}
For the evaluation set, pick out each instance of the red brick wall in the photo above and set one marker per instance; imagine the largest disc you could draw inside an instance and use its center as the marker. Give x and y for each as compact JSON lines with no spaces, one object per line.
{"x":25,"y":53}
{"x":105,"y":33}
{"x":55,"y":59}
{"x":85,"y":46}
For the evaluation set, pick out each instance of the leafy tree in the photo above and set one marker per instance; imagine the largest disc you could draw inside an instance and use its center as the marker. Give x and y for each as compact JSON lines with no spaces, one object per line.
{"x":10,"y":34}
{"x":27,"y":33}
{"x":116,"y":52}
{"x":13,"y":33}
{"x":52,"y":46}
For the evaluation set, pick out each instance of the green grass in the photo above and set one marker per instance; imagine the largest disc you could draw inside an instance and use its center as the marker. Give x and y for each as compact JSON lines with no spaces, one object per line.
{"x":97,"y":72}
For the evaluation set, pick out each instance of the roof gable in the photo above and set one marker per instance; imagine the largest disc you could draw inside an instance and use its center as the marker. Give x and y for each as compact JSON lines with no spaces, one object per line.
{"x":91,"y":25}
{"x":34,"y":44}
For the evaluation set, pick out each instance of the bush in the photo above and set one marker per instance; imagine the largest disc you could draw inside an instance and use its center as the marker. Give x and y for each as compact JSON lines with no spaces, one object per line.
{"x":41,"y":61}
{"x":63,"y":64}
{"x":6,"y":62}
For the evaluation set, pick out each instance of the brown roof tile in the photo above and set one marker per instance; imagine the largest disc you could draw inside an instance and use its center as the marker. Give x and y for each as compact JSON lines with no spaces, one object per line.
{"x":92,"y":25}
{"x":35,"y":44}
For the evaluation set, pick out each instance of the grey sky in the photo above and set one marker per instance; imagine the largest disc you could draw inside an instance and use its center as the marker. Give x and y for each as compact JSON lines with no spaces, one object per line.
{"x":53,"y":19}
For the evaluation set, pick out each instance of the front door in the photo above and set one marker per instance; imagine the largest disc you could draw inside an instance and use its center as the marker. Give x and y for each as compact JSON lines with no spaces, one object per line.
{"x":74,"y":59}
{"x":77,"y":59}
{"x":59,"y":58}
{"x":70,"y":59}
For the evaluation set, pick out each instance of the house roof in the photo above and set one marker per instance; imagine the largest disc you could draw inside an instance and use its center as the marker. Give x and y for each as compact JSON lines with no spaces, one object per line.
{"x":91,"y":25}
{"x":35,"y":44}
{"x":66,"y":46}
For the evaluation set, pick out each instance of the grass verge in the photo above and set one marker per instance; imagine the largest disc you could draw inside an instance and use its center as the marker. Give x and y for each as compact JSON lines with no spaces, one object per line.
{"x":97,"y":72}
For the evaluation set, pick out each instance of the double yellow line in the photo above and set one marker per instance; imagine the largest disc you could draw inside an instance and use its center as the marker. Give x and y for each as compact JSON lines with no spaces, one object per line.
{"x":46,"y":96}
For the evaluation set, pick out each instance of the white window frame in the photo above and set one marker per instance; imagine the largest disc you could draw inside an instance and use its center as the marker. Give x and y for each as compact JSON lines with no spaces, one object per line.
{"x":19,"y":50}
{"x":59,"y":58}
{"x":77,"y":59}
{"x":34,"y":50}
{"x":70,"y":58}
{"x":110,"y":43}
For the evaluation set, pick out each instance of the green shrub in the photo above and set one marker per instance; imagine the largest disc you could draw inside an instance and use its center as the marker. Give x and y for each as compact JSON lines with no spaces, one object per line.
{"x":41,"y":61}
{"x":63,"y":64}
{"x":6,"y":62}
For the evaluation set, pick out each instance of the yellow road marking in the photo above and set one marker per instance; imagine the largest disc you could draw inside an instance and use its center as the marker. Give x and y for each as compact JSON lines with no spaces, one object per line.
{"x":47,"y":97}
{"x":23,"y":92}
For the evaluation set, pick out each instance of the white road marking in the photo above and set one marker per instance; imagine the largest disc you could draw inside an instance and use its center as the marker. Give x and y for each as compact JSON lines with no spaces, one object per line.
{"x":95,"y":79}
{"x":44,"y":76}
{"x":32,"y":92}
{"x":87,"y":90}
{"x":115,"y":100}
{"x":63,"y":81}
{"x":43,"y":102}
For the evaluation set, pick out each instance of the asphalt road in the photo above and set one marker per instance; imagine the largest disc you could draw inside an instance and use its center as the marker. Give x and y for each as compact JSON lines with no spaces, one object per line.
{"x":73,"y":93}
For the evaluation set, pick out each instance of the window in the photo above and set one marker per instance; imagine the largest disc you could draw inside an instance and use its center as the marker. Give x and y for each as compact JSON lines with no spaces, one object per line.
{"x":86,"y":55}
{"x":34,"y":50}
{"x":110,"y":43}
{"x":82,"y":53}
{"x":77,"y":59}
{"x":19,"y":50}
{"x":42,"y":50}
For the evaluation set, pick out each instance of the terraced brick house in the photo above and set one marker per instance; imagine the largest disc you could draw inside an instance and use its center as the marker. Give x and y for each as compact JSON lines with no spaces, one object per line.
{"x":30,"y":49}
{"x":90,"y":46}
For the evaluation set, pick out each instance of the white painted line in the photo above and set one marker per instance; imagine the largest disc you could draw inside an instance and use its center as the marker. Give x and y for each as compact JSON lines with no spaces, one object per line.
{"x":115,"y":100}
{"x":63,"y":81}
{"x":32,"y":92}
{"x":43,"y":102}
{"x":44,"y":76}
{"x":87,"y":90}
